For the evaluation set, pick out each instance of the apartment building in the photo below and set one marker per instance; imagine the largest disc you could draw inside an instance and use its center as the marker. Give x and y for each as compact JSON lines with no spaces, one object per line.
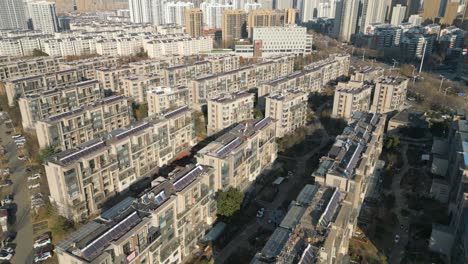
{"x":162,"y":225}
{"x":177,"y":44}
{"x":367,"y":74}
{"x":155,"y":66}
{"x":182,"y":74}
{"x":389,"y":94}
{"x":17,"y":87}
{"x":194,"y":22}
{"x":137,"y":86}
{"x":317,"y":216}
{"x":289,"y":109}
{"x":87,"y":67}
{"x":351,"y":97}
{"x":241,"y":154}
{"x":23,"y":67}
{"x":311,"y":79}
{"x":111,"y":78}
{"x":163,"y":99}
{"x":232,"y":24}
{"x":82,"y":178}
{"x":242,"y":79}
{"x":39,"y":106}
{"x":354,"y":155}
{"x":70,"y":129}
{"x":262,"y":18}
{"x":229,"y":109}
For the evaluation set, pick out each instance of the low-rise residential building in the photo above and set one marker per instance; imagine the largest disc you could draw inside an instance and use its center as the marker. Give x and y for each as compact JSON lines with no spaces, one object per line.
{"x":31,"y":84}
{"x":316,"y":229}
{"x":83,"y":178}
{"x":182,"y":74}
{"x":367,"y":74}
{"x":351,"y":97}
{"x":111,"y":78}
{"x":87,"y":67}
{"x":39,"y":106}
{"x":242,"y":79}
{"x":177,"y":44}
{"x":311,"y":79}
{"x":229,"y":109}
{"x":164,"y":99}
{"x":70,"y":129}
{"x":289,"y":109}
{"x":162,"y":225}
{"x":137,"y":86}
{"x":24,"y":67}
{"x":241,"y":154}
{"x":354,"y":155}
{"x":389,"y":94}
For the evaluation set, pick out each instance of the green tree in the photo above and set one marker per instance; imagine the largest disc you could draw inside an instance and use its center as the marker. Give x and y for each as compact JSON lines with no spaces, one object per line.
{"x":257,"y":113}
{"x":39,"y":53}
{"x":140,"y":111}
{"x":44,"y":154}
{"x":229,"y":202}
{"x":199,"y":124}
{"x":393,"y":142}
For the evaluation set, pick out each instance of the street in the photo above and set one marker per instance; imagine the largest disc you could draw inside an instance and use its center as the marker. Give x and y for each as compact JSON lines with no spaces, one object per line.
{"x":23,"y":224}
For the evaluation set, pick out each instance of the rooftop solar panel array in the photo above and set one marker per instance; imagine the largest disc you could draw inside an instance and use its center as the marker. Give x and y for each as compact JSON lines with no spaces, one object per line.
{"x":118,"y":208}
{"x":308,"y":257}
{"x":176,"y":112}
{"x":331,"y":207}
{"x":83,"y":152}
{"x":188,"y":178}
{"x":114,"y":233}
{"x":111,"y":99}
{"x":229,"y":147}
{"x":133,"y":130}
{"x":81,"y":233}
{"x":62,"y":115}
{"x":262,"y":123}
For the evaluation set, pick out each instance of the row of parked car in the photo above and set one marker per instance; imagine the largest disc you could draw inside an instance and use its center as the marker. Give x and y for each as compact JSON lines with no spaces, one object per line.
{"x":44,"y":246}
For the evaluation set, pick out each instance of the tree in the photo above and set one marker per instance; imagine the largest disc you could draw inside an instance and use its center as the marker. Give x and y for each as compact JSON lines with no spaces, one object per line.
{"x":199,"y":124}
{"x":392,"y":143}
{"x":229,"y":202}
{"x":140,"y":111}
{"x":39,"y":53}
{"x":257,"y":113}
{"x":44,"y":154}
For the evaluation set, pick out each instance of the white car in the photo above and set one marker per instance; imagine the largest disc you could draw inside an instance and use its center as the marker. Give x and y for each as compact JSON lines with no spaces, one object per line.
{"x":34,"y":177}
{"x":8,"y":249}
{"x":43,"y":256}
{"x":260,"y":212}
{"x":36,"y":185}
{"x":17,"y":136}
{"x":397,"y":239}
{"x":5,"y":255}
{"x":42,"y":242}
{"x":22,"y":158}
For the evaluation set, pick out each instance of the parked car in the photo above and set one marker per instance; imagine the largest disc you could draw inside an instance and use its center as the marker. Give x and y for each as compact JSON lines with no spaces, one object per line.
{"x":28,"y":169}
{"x":36,"y":196}
{"x":6,"y":183}
{"x":8,"y":249}
{"x":34,"y":176}
{"x":8,"y":239}
{"x":35,"y":185}
{"x":397,"y":239}
{"x":8,"y":199}
{"x":42,"y":256}
{"x":16,"y":136}
{"x":4,"y":255}
{"x":260,"y":212}
{"x":22,"y":158}
{"x":41,"y":243}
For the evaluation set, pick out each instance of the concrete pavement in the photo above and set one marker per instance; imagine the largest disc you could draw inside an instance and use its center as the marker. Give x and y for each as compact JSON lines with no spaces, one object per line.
{"x":23,"y":225}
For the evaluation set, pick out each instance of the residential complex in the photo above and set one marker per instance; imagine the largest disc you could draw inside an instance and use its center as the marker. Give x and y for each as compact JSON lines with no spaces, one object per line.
{"x":70,"y":129}
{"x":242,"y":79}
{"x":44,"y":16}
{"x":194,"y":22}
{"x":311,"y":79}
{"x":152,"y":228}
{"x":136,"y":87}
{"x":350,"y":98}
{"x":233,"y":23}
{"x":82,"y":178}
{"x":39,"y":106}
{"x":10,"y":69}
{"x":389,"y":94}
{"x":17,"y":87}
{"x":87,"y":67}
{"x":289,"y":109}
{"x":164,"y":99}
{"x":12,"y":15}
{"x":241,"y":154}
{"x":229,"y":109}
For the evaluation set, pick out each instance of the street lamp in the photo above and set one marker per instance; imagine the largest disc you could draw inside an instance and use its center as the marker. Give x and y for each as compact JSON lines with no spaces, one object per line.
{"x":446,"y":89}
{"x":441,"y":82}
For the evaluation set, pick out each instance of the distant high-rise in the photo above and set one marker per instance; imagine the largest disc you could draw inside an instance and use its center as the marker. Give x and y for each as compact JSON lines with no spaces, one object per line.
{"x":398,"y":14}
{"x":140,"y":11}
{"x":262,"y":18}
{"x":234,"y":23}
{"x":44,"y":16}
{"x":412,"y":7}
{"x":450,"y":13}
{"x":308,"y":9}
{"x":174,"y":12}
{"x":431,"y":9}
{"x":213,"y":14}
{"x":194,"y":22}
{"x":415,"y":20}
{"x":290,"y":16}
{"x":12,"y":15}
{"x":346,"y":19}
{"x":266,"y":4}
{"x":373,"y":11}
{"x":283,"y":4}
{"x":327,"y":9}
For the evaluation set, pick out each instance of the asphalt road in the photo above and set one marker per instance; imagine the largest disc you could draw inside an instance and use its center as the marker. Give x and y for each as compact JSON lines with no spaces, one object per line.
{"x":23,"y":225}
